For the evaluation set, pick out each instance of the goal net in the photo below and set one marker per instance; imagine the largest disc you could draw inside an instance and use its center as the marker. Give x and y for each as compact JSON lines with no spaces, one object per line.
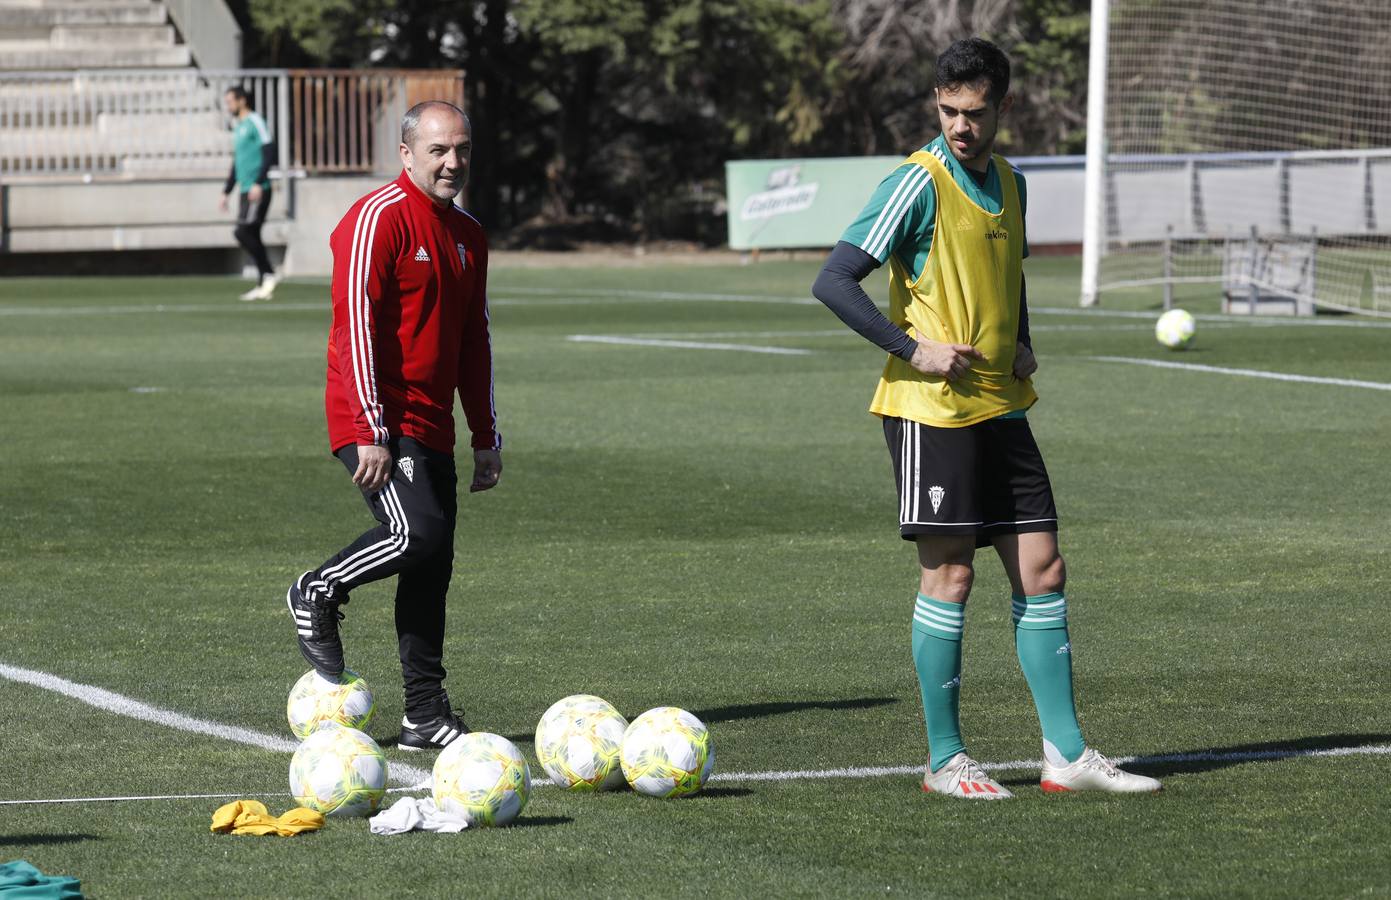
{"x":1248,"y":151}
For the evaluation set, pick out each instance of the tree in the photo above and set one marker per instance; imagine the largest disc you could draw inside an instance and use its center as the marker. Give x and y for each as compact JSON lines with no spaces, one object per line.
{"x":617,"y":116}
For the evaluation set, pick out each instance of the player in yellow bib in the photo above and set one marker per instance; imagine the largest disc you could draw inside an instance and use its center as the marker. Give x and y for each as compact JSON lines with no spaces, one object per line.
{"x":949,"y":221}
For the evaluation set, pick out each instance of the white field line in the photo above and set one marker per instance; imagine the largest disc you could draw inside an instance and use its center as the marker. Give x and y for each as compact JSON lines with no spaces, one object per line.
{"x":519,"y":296}
{"x":1245,"y":373}
{"x":684,"y":345}
{"x":850,"y":772}
{"x":607,"y":294}
{"x":1267,"y":321}
{"x":846,"y":332}
{"x":135,"y":709}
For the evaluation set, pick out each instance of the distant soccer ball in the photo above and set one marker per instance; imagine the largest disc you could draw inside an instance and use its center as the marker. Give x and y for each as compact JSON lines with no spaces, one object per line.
{"x":667,"y":752}
{"x":1175,"y":329}
{"x":316,"y":701}
{"x":482,"y":777}
{"x":339,"y":772}
{"x":577,"y":742}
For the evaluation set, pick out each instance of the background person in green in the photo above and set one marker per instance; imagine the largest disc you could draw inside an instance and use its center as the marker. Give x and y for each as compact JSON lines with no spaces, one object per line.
{"x":252,"y":155}
{"x":949,"y":221}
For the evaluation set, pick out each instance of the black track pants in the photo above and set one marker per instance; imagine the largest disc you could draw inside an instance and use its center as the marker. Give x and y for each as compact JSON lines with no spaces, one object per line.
{"x":414,"y":541}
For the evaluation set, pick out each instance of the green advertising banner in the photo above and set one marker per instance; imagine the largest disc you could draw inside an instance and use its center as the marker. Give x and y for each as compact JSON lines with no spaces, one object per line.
{"x":778,"y":203}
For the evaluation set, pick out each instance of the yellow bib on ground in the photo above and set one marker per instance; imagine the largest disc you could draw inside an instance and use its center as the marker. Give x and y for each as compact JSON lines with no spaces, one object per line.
{"x":968,"y":293}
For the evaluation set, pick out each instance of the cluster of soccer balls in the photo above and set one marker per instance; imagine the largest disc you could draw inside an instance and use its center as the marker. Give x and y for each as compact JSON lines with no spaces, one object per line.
{"x":583,"y":743}
{"x":337,"y":769}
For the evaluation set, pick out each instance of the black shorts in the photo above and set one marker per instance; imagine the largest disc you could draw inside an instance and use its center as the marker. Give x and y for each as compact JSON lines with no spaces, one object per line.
{"x":985,"y":479}
{"x":249,"y":213}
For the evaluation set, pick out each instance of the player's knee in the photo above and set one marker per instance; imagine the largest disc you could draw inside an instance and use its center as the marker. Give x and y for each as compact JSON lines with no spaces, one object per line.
{"x":949,"y":583}
{"x":1051,"y":578}
{"x":427,"y":535}
{"x":241,"y":233}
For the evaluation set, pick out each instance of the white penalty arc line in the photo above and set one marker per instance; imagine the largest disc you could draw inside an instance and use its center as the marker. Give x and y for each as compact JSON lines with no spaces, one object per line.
{"x":850,"y":772}
{"x":684,"y":345}
{"x":135,"y":709}
{"x":1245,"y":373}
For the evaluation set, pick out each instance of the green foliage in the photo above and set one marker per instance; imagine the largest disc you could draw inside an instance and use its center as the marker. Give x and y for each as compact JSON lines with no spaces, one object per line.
{"x":622,"y":114}
{"x":319,"y":32}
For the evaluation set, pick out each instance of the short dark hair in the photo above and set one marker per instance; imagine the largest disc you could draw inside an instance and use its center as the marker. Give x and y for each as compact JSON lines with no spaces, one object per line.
{"x":240,"y":93}
{"x":971,"y":60}
{"x":410,"y":122}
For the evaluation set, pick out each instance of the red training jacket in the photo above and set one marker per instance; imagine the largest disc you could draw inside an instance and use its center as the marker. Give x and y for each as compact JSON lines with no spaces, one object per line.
{"x":410,"y":323}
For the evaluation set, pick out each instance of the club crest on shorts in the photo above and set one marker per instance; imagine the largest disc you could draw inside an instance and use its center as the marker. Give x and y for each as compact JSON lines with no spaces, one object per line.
{"x":463,"y":259}
{"x":407,"y":467}
{"x":935,"y":494}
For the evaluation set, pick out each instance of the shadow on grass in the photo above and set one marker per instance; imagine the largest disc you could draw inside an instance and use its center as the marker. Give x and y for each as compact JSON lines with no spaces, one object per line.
{"x":761,"y":710}
{"x":36,"y":840}
{"x":1209,"y":759}
{"x":755,"y":711}
{"x":1188,"y":762}
{"x":539,"y":821}
{"x":718,"y":793}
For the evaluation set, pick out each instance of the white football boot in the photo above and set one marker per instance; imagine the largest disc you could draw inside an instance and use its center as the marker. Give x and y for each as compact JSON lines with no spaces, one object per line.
{"x":1094,"y":772}
{"x":963,"y":777}
{"x":268,"y":286}
{"x":251,"y":295}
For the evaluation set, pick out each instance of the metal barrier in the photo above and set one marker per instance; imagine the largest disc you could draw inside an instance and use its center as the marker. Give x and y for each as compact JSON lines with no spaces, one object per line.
{"x":171,"y":123}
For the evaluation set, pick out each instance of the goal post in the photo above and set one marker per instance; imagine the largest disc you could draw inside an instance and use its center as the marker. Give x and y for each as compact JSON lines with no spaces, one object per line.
{"x":1241,"y":149}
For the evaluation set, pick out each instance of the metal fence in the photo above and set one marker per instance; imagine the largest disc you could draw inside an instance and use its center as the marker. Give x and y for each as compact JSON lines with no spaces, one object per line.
{"x":163,"y":123}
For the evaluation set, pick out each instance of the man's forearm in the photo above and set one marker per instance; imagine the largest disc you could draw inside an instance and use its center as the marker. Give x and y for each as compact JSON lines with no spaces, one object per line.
{"x":838,"y":286}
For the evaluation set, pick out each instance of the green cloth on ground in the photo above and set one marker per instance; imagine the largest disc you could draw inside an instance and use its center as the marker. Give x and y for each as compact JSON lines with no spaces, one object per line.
{"x":21,"y":881}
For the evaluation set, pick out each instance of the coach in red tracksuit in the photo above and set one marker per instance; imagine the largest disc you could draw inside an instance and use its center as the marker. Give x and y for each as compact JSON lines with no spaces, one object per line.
{"x":410,"y":329}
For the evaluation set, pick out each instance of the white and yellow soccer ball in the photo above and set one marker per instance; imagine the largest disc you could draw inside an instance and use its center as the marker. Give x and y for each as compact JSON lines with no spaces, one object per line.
{"x":1175,"y":329}
{"x":482,"y":777}
{"x":316,"y":701}
{"x":667,"y":752}
{"x":577,"y":742}
{"x":339,"y":772}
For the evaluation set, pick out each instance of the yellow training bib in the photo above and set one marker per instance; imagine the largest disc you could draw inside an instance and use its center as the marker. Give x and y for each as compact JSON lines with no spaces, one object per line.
{"x":968,"y":293}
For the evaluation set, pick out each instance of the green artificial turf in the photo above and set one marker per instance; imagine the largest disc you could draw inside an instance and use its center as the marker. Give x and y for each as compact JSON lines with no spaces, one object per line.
{"x":715,"y":530}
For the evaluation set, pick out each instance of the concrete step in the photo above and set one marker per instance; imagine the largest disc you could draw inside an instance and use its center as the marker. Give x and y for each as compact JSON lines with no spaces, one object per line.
{"x":38,"y":118}
{"x":113,"y":35}
{"x":97,"y":58}
{"x":69,"y":4}
{"x":78,"y":36}
{"x":173,"y":91}
{"x":170,"y":126}
{"x":188,"y":201}
{"x":140,"y":237}
{"x":204,"y":164}
{"x":14,"y":16}
{"x":85,"y":141}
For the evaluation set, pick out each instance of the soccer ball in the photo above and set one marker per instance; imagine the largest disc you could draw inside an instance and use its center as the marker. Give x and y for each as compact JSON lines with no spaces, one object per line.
{"x":339,"y":772}
{"x":667,"y":752}
{"x":1175,"y":329}
{"x":482,"y":777}
{"x":315,"y":701}
{"x":577,"y":742}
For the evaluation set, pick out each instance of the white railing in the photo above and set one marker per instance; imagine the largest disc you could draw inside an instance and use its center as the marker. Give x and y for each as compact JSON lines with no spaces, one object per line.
{"x":163,"y":123}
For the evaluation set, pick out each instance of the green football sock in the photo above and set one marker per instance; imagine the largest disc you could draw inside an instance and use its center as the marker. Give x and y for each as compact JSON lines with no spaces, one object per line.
{"x":937,"y":627}
{"x":1045,"y":655}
